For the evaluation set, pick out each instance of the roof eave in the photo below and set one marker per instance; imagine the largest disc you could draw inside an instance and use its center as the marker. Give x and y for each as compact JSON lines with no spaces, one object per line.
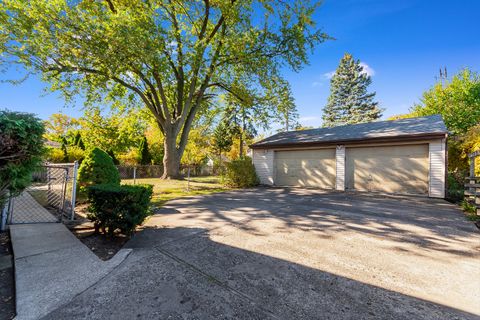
{"x":409,"y":137}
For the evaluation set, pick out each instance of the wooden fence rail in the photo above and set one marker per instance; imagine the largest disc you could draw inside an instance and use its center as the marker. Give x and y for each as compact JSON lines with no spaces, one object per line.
{"x":472,"y":187}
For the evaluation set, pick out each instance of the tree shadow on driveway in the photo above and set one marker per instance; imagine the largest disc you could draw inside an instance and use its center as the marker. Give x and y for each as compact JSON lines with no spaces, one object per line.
{"x":430,"y":224}
{"x":181,"y":273}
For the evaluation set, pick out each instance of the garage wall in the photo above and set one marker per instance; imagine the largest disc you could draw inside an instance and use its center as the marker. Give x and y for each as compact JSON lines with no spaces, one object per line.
{"x":263,"y":162}
{"x":437,"y":155}
{"x":340,"y":168}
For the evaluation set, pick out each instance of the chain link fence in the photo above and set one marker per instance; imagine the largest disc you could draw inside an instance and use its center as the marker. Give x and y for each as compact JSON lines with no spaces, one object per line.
{"x":140,"y":171}
{"x":50,"y":198}
{"x":156,"y":171}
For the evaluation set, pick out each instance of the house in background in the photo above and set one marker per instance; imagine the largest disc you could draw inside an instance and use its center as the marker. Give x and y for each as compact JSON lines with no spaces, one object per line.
{"x":406,"y":156}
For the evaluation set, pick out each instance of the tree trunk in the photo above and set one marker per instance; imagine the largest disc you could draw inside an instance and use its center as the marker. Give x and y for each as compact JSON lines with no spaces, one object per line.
{"x":171,"y":158}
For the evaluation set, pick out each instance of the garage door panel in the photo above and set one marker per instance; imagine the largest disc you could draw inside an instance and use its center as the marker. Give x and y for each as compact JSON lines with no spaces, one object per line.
{"x":395,"y":169}
{"x":306,"y":168}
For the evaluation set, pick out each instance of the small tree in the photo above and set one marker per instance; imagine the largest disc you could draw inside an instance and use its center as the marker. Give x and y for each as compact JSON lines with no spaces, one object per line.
{"x":222,"y":138}
{"x":77,"y":141}
{"x":21,"y":141}
{"x":143,"y":152}
{"x":63,"y":147}
{"x":349,"y":100}
{"x":97,"y":168}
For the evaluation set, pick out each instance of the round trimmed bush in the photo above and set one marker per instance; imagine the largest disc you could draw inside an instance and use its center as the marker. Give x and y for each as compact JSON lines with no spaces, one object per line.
{"x":97,"y":168}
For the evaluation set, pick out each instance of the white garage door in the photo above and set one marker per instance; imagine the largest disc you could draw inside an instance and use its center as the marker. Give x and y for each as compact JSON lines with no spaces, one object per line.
{"x":305,"y":168}
{"x":392,"y":169}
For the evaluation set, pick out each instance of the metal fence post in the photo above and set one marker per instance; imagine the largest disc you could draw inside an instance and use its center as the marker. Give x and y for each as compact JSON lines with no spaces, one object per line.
{"x":3,"y":222}
{"x":74,"y":189}
{"x":135,"y":175}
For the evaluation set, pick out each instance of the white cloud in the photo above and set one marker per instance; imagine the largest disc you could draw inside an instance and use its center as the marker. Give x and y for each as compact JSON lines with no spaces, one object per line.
{"x":317,"y":84}
{"x":329,"y":75}
{"x":367,"y":69}
{"x":308,"y":119}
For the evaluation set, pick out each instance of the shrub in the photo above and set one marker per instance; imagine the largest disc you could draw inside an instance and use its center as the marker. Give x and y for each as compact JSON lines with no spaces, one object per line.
{"x":21,"y":150}
{"x":455,"y":183}
{"x":97,"y":168}
{"x":55,"y":155}
{"x":241,"y":173}
{"x":119,"y":207}
{"x":75,"y":153}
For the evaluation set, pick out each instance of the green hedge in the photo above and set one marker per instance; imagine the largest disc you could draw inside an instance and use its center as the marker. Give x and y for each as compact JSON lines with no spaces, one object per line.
{"x":241,"y":173}
{"x":21,"y":150}
{"x":118,"y":207}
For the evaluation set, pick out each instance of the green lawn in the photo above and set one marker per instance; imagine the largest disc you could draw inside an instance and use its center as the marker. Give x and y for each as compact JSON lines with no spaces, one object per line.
{"x":164,"y":190}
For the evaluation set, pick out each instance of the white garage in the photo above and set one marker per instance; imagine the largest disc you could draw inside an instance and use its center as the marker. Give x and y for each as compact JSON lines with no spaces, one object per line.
{"x":406,"y":156}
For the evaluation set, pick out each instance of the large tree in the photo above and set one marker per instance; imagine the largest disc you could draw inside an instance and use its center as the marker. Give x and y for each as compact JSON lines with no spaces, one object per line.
{"x":457,"y":100}
{"x":349,"y":101}
{"x":175,"y":56}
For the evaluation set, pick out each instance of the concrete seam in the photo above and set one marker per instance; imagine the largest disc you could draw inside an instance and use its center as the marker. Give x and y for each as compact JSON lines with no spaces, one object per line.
{"x":216,"y":281}
{"x":90,"y":286}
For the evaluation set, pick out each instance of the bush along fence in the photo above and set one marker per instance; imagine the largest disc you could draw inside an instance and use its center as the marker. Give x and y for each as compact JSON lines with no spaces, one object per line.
{"x":472,"y":187}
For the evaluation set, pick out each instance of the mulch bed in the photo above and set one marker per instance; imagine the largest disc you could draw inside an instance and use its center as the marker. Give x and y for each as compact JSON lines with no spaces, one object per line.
{"x":104,"y":247}
{"x":7,"y":284}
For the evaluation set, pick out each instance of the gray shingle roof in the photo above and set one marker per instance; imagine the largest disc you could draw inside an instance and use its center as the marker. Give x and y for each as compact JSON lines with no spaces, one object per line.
{"x":429,"y":125}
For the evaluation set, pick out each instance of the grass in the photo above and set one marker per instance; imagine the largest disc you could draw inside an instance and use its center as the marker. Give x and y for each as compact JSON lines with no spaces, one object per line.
{"x":164,"y":190}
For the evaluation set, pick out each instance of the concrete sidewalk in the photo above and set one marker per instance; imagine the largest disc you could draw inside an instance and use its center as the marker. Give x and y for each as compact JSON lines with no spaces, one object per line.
{"x":52,"y":267}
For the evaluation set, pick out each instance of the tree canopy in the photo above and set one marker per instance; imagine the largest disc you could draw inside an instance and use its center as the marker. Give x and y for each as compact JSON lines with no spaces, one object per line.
{"x":349,"y":101}
{"x":173,"y":56}
{"x":458,"y":101}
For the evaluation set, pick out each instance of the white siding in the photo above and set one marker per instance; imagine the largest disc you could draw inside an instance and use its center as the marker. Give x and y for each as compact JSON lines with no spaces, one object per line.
{"x":437,"y":168}
{"x":340,"y":168}
{"x":263,"y":162}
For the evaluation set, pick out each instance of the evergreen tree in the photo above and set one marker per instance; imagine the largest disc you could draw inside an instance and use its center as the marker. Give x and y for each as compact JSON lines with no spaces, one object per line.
{"x":144,"y":153}
{"x":112,"y":155}
{"x":77,"y":141}
{"x":222,"y":138}
{"x":349,"y":101}
{"x":63,"y":147}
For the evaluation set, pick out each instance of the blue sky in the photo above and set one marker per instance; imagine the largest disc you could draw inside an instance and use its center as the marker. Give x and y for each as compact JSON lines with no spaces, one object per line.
{"x":403,"y":43}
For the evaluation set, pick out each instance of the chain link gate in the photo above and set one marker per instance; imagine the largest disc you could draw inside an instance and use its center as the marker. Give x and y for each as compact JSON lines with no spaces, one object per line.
{"x":50,"y":198}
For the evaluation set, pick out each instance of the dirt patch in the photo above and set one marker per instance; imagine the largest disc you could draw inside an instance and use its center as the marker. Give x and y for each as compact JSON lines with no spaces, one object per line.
{"x":104,"y":247}
{"x":7,"y":284}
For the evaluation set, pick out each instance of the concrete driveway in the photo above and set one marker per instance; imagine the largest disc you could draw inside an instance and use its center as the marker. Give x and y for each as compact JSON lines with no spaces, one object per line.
{"x":294,"y":254}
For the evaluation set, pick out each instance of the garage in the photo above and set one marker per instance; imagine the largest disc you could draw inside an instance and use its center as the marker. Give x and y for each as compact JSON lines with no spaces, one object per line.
{"x":405,"y":156}
{"x":392,"y":169}
{"x":306,"y":168}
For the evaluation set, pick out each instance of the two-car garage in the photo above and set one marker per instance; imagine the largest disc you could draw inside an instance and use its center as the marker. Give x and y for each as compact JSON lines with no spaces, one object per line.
{"x":405,"y":156}
{"x":392,"y":169}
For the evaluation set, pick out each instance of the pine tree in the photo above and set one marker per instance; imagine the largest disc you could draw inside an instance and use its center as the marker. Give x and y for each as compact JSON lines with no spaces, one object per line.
{"x":77,"y":141}
{"x":63,"y":147}
{"x":144,"y":153}
{"x":349,"y":101}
